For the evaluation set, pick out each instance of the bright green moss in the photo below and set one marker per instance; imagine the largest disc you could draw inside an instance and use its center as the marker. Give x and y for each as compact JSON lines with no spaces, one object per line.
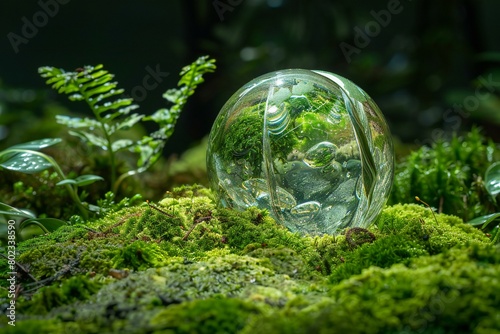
{"x":35,"y":326}
{"x":406,"y":232}
{"x":449,"y":176}
{"x":419,"y":224}
{"x":139,"y":256}
{"x":193,"y":255}
{"x":282,"y":260}
{"x":382,"y":253}
{"x":142,"y":299}
{"x":76,"y":288}
{"x":209,"y":316}
{"x":153,"y":226}
{"x":189,"y":191}
{"x":82,"y":257}
{"x":253,"y":229}
{"x":453,"y":292}
{"x":245,"y":138}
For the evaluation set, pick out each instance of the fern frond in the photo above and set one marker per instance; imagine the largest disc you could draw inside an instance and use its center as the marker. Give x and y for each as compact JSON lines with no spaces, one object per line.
{"x":95,"y":86}
{"x":151,"y":146}
{"x":191,"y":77}
{"x":91,"y":84}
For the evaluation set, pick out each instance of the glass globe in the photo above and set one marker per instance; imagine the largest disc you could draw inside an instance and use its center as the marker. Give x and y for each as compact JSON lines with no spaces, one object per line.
{"x":309,"y":146}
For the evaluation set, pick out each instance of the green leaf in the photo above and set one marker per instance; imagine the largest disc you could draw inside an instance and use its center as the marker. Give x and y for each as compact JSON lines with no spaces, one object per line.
{"x":75,"y":122}
{"x":90,"y":138}
{"x":66,"y":181}
{"x":128,"y":122}
{"x":492,"y":179}
{"x":38,"y":144}
{"x":112,"y":105}
{"x":100,"y":78}
{"x":27,"y":163}
{"x":47,"y":224}
{"x":161,"y":116}
{"x":150,"y":151}
{"x":94,"y":85}
{"x":94,"y":208}
{"x":76,"y":97}
{"x":11,"y":211}
{"x":484,"y":220}
{"x":111,"y":93}
{"x":121,"y":144}
{"x":82,"y":180}
{"x":172,"y":95}
{"x":102,"y":89}
{"x":121,"y":112}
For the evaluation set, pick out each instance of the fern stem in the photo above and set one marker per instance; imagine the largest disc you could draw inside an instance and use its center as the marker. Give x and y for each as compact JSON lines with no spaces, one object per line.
{"x":109,"y":143}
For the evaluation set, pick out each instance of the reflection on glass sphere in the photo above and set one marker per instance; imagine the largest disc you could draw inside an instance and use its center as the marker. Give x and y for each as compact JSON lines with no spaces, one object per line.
{"x":309,"y":146}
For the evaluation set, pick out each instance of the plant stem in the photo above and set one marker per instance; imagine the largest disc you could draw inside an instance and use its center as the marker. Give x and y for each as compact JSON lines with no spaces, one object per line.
{"x":57,"y":168}
{"x":116,"y":184}
{"x":109,"y":144}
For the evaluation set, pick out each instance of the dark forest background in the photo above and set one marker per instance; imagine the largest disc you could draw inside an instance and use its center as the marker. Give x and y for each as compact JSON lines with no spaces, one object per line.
{"x":433,"y":67}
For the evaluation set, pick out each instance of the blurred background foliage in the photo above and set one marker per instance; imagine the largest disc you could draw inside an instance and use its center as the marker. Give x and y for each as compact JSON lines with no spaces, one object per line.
{"x":426,"y":59}
{"x":433,"y":68}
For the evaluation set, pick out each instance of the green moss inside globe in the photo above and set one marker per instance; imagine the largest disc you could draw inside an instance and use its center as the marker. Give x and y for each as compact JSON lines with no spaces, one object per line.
{"x":311,"y":147}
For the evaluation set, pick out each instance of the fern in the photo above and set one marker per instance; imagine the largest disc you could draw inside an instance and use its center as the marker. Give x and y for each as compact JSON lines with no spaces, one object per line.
{"x":95,"y":86}
{"x":151,"y":146}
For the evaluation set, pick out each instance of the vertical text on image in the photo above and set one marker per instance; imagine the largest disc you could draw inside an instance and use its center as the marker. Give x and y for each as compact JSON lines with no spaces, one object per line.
{"x":11,"y":258}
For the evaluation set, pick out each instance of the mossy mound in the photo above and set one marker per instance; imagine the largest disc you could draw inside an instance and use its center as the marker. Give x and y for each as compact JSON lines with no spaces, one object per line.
{"x":186,"y":266}
{"x":449,"y":175}
{"x":453,"y":292}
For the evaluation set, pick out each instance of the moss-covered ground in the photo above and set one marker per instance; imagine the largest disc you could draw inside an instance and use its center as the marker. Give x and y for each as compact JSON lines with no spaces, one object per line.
{"x":186,"y":266}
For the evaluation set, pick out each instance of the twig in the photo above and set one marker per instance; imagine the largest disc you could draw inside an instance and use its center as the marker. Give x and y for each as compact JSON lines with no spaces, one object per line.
{"x":121,"y":221}
{"x":196,"y":222}
{"x":21,"y":267}
{"x":60,"y":273}
{"x":159,"y":210}
{"x":90,"y":229}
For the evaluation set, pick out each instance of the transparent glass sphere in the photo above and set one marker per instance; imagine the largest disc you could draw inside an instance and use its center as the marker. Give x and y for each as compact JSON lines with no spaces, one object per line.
{"x":309,"y":146}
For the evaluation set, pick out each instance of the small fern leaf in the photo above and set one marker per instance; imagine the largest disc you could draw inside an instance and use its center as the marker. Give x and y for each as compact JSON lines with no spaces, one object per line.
{"x":76,"y":97}
{"x":91,"y":139}
{"x":77,"y":123}
{"x":121,"y":144}
{"x":161,"y":116}
{"x":120,"y":112}
{"x":172,"y":95}
{"x":149,"y":151}
{"x":105,"y":88}
{"x":192,"y":75}
{"x":106,"y":106}
{"x":129,"y":122}
{"x":109,"y":94}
